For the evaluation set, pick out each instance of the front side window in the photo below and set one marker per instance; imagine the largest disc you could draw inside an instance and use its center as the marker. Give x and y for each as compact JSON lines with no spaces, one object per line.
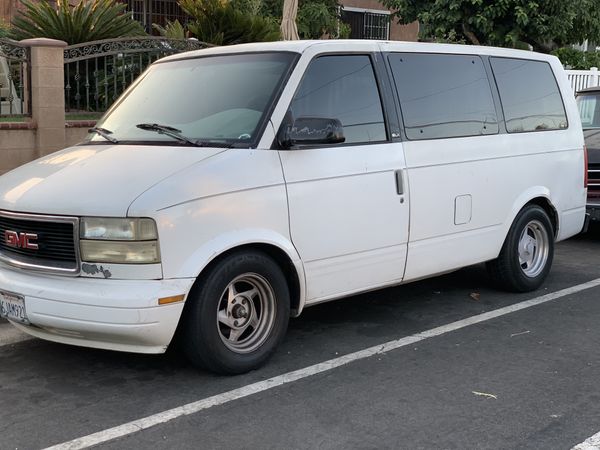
{"x":443,"y":96}
{"x":529,"y":95}
{"x":216,"y":99}
{"x":344,"y":88}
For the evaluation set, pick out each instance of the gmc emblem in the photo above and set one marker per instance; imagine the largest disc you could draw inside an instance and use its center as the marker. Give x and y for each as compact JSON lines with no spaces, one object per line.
{"x":21,"y":240}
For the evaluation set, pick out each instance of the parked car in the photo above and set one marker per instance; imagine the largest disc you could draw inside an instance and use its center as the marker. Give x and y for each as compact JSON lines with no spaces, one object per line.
{"x":588,"y":101}
{"x":230,"y":188}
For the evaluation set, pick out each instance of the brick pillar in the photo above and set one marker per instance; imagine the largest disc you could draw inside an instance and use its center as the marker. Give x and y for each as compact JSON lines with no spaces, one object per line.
{"x":47,"y":93}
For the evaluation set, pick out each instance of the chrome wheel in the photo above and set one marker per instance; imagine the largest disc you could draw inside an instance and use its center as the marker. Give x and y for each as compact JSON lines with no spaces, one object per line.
{"x":246,"y":313}
{"x":533,"y":248}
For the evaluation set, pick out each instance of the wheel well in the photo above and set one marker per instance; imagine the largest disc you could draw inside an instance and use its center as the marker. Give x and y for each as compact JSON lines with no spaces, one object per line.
{"x":545,"y":204}
{"x":281,"y":258}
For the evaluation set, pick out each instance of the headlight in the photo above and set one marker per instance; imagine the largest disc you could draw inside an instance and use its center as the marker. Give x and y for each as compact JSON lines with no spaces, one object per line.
{"x":108,"y":229}
{"x":119,"y":241}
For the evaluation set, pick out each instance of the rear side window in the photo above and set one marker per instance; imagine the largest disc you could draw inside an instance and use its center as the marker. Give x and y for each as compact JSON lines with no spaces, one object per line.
{"x":342,"y":87}
{"x":443,"y":95}
{"x":529,"y":95}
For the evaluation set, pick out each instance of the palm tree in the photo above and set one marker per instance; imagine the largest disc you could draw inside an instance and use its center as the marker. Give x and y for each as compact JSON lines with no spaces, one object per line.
{"x":220,"y":23}
{"x":90,"y":20}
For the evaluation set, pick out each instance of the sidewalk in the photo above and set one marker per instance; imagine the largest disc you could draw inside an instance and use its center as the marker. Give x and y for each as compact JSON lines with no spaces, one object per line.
{"x":10,"y":335}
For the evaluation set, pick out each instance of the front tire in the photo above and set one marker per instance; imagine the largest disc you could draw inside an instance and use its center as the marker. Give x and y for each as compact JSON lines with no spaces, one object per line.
{"x":526,"y":256}
{"x":237,"y":314}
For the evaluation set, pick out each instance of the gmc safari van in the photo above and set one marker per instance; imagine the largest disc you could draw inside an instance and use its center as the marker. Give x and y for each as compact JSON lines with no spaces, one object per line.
{"x":230,"y":188}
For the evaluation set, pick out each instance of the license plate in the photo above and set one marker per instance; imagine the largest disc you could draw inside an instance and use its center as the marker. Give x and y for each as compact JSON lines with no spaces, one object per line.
{"x":12,"y":307}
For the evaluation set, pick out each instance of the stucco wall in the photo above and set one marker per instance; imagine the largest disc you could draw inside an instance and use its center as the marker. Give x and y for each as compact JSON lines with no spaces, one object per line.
{"x":77,"y":131}
{"x":18,"y":142}
{"x":17,"y":145}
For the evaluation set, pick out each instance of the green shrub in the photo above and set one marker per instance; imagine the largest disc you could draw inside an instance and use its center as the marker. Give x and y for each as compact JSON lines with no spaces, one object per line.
{"x":220,"y":23}
{"x":252,"y":7}
{"x":90,"y":20}
{"x":317,"y":19}
{"x":576,"y":59}
{"x":4,"y":29}
{"x":172,"y":30}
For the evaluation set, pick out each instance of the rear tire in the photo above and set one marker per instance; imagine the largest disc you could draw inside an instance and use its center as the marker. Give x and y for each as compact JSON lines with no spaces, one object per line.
{"x":526,"y":256}
{"x":237,"y":314}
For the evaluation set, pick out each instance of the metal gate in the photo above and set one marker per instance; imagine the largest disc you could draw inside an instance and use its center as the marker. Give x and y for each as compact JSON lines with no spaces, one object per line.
{"x":96,"y":73}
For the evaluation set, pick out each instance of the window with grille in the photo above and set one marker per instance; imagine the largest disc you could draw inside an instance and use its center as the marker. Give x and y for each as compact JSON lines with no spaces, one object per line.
{"x":166,"y":10}
{"x":160,"y":12}
{"x":138,"y":10}
{"x":366,"y":24}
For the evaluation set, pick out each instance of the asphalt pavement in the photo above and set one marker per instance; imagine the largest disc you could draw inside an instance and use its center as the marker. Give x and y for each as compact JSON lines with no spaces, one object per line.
{"x":527,"y":379}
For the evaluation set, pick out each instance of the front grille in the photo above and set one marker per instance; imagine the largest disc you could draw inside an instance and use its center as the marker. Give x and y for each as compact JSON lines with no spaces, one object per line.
{"x":594,"y":180}
{"x":55,"y":240}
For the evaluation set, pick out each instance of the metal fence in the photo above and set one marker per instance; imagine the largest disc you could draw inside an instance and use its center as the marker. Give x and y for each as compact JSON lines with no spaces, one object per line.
{"x":15,"y":79}
{"x":581,"y":79}
{"x":148,"y":12}
{"x":96,"y":73}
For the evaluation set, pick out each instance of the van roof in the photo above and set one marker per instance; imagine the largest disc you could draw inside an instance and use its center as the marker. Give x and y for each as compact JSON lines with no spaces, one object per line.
{"x":337,"y":45}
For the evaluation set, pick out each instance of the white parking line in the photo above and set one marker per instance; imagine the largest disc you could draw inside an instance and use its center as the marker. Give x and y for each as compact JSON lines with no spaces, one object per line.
{"x":261,"y":386}
{"x":10,"y":335}
{"x":591,"y":443}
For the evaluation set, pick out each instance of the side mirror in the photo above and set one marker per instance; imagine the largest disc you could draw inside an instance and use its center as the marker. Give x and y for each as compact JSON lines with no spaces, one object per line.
{"x":311,"y":131}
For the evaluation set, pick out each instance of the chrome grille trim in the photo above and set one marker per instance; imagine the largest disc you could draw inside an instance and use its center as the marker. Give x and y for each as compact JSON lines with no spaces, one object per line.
{"x":30,"y":263}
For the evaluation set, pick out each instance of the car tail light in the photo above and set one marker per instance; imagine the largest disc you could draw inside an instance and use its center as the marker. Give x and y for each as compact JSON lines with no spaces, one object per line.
{"x":585,"y":166}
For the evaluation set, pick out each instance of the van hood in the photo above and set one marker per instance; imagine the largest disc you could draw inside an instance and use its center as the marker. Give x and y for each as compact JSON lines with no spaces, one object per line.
{"x":93,"y":180}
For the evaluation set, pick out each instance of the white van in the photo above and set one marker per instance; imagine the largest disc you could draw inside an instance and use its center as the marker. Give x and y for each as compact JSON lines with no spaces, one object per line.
{"x":232,"y":187}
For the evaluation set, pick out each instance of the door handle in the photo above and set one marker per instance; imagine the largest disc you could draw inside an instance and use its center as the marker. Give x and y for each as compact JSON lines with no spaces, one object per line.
{"x":399,"y":182}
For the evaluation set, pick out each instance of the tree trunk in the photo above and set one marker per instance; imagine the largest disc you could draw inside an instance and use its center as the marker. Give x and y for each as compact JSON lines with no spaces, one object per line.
{"x":544,"y":47}
{"x":470,"y":35}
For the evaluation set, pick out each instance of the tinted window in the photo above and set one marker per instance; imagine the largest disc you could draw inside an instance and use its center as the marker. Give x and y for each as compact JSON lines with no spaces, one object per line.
{"x":589,"y":110}
{"x":443,"y":95}
{"x":529,"y":94}
{"x":344,"y":88}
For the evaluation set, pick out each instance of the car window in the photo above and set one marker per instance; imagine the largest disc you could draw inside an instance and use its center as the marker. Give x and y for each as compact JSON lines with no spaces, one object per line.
{"x":220,"y":98}
{"x":530,"y":97}
{"x":342,"y":87}
{"x":589,"y":110}
{"x":443,"y":96}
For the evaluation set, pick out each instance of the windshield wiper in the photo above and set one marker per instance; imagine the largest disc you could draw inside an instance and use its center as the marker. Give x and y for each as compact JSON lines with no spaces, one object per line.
{"x":104,"y":133}
{"x":215,"y":144}
{"x":169,"y":131}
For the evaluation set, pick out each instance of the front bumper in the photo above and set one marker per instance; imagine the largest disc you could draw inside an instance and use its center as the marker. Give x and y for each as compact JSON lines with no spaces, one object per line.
{"x":121,"y":315}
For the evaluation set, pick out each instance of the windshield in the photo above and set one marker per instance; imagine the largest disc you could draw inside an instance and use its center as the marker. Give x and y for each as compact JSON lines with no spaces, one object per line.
{"x":589,"y":110}
{"x":219,"y":99}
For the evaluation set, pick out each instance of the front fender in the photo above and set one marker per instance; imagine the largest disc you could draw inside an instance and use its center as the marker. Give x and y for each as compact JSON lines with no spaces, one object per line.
{"x":197,"y":261}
